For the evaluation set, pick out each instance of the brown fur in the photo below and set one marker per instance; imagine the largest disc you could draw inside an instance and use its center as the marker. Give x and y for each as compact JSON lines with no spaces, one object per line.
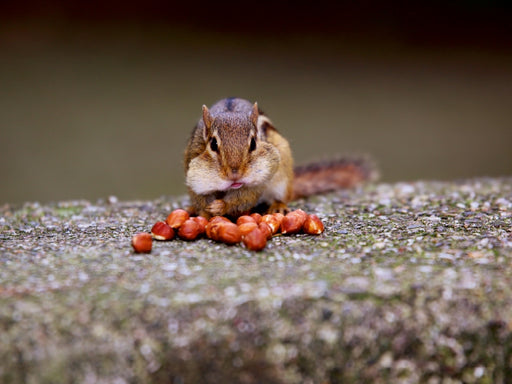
{"x":327,"y":176}
{"x":233,"y":123}
{"x":266,"y":172}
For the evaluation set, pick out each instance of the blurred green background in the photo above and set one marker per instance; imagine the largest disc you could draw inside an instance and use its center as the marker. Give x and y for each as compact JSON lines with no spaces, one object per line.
{"x":98,"y":98}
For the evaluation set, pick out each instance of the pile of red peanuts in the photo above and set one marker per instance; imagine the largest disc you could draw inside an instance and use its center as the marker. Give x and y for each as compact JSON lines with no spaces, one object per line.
{"x":252,"y":230}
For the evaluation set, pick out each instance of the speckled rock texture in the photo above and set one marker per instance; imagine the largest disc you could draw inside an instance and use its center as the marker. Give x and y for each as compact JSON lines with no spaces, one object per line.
{"x":410,"y":283}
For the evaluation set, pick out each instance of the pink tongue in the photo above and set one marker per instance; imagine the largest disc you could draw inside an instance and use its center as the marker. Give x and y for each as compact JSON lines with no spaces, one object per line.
{"x":236,"y":185}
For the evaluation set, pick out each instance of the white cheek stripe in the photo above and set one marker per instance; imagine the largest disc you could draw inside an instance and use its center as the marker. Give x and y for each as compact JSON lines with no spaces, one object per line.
{"x":275,"y":191}
{"x":205,"y":187}
{"x":204,"y":182}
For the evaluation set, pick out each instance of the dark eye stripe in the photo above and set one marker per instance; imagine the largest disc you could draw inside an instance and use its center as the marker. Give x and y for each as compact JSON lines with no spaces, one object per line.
{"x":252,"y":146}
{"x":213,"y":145}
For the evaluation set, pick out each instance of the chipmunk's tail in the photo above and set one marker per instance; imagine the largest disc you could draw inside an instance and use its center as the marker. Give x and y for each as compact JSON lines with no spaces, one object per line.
{"x":327,"y":176}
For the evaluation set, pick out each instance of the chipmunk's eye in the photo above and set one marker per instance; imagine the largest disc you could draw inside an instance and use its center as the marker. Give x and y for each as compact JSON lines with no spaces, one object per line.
{"x":213,"y":145}
{"x":252,"y":146}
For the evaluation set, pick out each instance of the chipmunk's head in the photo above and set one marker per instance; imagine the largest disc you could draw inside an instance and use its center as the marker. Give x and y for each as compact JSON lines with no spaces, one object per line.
{"x":236,"y":154}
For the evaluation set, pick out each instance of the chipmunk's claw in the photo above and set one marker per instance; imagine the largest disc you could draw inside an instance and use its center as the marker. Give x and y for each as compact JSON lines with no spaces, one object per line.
{"x":216,"y":208}
{"x":278,"y":207}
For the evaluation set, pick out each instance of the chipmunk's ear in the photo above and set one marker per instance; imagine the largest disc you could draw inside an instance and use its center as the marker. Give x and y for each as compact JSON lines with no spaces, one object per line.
{"x":207,"y":118}
{"x":254,"y":114}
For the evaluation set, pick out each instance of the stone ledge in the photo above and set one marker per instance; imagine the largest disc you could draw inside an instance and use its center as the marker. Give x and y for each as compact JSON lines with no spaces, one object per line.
{"x":409,"y":283}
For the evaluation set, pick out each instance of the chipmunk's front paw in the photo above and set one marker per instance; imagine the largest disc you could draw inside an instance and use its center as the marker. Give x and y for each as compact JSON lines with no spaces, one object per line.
{"x":278,"y":207}
{"x":216,"y":208}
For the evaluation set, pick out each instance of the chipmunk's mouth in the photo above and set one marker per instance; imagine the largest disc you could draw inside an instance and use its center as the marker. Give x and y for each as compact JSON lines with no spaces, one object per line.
{"x":236,"y":185}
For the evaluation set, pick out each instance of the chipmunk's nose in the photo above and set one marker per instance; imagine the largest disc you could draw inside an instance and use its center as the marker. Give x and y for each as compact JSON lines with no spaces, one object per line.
{"x":235,"y":173}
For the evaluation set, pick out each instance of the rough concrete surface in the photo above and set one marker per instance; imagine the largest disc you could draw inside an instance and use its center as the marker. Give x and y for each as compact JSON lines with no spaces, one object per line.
{"x":410,"y":283}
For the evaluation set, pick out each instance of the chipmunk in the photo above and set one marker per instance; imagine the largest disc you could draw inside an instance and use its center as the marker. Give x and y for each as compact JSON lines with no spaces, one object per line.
{"x":236,"y":160}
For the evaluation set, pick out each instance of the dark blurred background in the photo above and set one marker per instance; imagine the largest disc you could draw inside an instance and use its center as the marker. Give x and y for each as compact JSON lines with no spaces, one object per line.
{"x":98,"y":98}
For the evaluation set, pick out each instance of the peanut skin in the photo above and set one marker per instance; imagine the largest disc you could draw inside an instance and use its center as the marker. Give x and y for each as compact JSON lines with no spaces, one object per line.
{"x":229,"y":233}
{"x":313,"y":225}
{"x":255,"y":240}
{"x":142,"y":242}
{"x":177,"y":217}
{"x":162,"y":231}
{"x":293,"y":222}
{"x":189,"y":230}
